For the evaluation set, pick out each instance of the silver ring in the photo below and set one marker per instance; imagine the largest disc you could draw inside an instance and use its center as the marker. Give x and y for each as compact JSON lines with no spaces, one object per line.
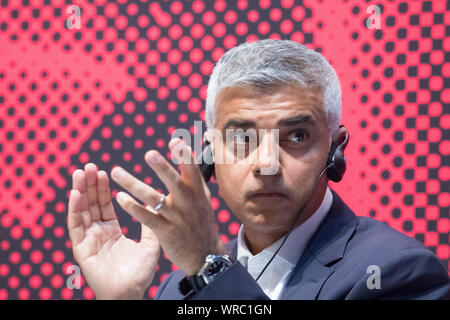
{"x":161,"y":203}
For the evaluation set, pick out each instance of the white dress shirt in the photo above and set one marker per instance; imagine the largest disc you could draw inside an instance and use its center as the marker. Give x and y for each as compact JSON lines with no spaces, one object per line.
{"x":275,"y":277}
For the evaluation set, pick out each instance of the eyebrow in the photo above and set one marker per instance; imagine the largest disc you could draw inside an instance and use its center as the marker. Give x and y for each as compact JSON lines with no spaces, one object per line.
{"x":287,"y":122}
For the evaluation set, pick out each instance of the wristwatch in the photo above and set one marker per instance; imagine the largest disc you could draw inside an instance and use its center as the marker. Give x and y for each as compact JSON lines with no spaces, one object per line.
{"x":213,"y":267}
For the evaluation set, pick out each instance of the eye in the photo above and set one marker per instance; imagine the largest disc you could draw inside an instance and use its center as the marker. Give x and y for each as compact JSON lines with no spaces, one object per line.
{"x":297,"y":136}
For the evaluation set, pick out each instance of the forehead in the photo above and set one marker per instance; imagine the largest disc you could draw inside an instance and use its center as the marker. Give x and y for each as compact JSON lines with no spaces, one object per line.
{"x":265,"y":107}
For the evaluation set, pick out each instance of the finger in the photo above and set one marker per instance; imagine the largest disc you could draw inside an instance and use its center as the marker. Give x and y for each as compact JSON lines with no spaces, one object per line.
{"x":104,"y":197}
{"x":136,"y":187}
{"x":90,"y":171}
{"x":79,"y":183}
{"x":190,"y":171}
{"x":75,"y":220}
{"x":143,"y":215}
{"x":165,"y":172}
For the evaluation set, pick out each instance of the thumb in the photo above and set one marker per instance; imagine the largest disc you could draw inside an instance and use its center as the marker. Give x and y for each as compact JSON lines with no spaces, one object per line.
{"x":148,"y":237}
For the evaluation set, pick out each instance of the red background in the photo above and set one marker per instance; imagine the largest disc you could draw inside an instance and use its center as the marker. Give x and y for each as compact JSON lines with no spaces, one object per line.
{"x":136,"y":70}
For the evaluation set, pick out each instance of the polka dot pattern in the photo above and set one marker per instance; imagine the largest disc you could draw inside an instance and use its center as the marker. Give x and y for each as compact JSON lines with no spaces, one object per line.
{"x":135,"y":71}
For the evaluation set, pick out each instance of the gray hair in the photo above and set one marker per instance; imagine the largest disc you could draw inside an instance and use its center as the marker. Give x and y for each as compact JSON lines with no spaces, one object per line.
{"x":272,"y":63}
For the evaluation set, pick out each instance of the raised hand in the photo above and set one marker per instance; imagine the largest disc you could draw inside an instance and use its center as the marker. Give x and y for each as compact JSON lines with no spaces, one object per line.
{"x":185,"y":225}
{"x":114,"y":266}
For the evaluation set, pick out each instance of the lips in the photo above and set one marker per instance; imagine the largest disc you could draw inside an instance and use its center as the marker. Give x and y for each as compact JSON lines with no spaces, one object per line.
{"x":269,"y":194}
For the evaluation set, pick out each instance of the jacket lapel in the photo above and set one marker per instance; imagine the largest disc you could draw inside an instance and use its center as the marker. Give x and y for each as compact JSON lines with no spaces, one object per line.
{"x":327,"y":247}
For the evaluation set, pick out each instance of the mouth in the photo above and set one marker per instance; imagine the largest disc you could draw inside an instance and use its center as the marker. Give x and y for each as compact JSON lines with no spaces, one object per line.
{"x":267,"y":195}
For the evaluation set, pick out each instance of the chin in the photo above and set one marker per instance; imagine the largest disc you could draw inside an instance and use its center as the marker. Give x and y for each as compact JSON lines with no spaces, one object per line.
{"x":265,"y":221}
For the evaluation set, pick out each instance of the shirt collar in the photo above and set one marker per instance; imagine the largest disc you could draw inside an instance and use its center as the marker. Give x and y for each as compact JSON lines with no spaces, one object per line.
{"x":297,"y":240}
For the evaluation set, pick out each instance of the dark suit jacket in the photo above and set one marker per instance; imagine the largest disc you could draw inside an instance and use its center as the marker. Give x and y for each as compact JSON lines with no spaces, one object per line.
{"x":335,"y":266}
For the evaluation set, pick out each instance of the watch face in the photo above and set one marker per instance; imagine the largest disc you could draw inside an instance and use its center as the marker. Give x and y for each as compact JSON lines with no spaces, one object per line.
{"x":216,"y":267}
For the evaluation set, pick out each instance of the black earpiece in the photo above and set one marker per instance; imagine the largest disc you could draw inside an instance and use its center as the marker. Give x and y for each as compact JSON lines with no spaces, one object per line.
{"x":336,"y":159}
{"x":206,"y":162}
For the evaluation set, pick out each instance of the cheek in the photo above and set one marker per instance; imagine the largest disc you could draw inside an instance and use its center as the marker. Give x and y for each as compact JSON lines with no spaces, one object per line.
{"x":230,"y":180}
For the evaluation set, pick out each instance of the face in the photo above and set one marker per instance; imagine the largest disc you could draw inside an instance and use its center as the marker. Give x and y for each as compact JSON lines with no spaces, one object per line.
{"x":269,"y":203}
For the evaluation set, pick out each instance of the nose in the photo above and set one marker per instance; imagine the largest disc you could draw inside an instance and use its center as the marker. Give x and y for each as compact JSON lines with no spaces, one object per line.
{"x":267,"y":160}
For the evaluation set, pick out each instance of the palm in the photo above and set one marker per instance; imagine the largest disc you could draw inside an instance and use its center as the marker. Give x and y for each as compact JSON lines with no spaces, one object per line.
{"x":114,"y":266}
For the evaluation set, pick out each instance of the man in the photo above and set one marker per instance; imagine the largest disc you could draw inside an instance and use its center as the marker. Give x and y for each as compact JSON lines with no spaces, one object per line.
{"x":293,"y":94}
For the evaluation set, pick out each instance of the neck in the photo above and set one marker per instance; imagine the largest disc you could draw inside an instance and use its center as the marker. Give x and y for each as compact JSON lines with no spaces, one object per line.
{"x":257,"y":241}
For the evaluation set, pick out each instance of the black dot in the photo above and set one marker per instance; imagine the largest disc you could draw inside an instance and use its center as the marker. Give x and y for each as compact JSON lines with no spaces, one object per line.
{"x":375,"y":111}
{"x":386,"y":149}
{"x":399,"y":110}
{"x":373,"y":162}
{"x":408,"y":200}
{"x":398,"y":161}
{"x":365,"y":73}
{"x":385,"y":174}
{"x":30,"y":159}
{"x":396,"y":213}
{"x":377,"y":60}
{"x":355,"y":10}
{"x":363,"y":124}
{"x":403,"y":7}
{"x":384,"y":200}
{"x":374,"y":136}
{"x":397,"y":187}
{"x":366,"y":47}
{"x":387,"y":98}
{"x":19,"y":172}
{"x":389,"y":46}
{"x":390,"y":21}
{"x":52,"y":134}
{"x":376,"y":85}
{"x":387,"y":123}
{"x":20,"y":147}
{"x":40,"y":171}
{"x":388,"y":72}
{"x":407,"y":225}
{"x":373,"y":187}
{"x":378,"y":34}
{"x":7,"y":184}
